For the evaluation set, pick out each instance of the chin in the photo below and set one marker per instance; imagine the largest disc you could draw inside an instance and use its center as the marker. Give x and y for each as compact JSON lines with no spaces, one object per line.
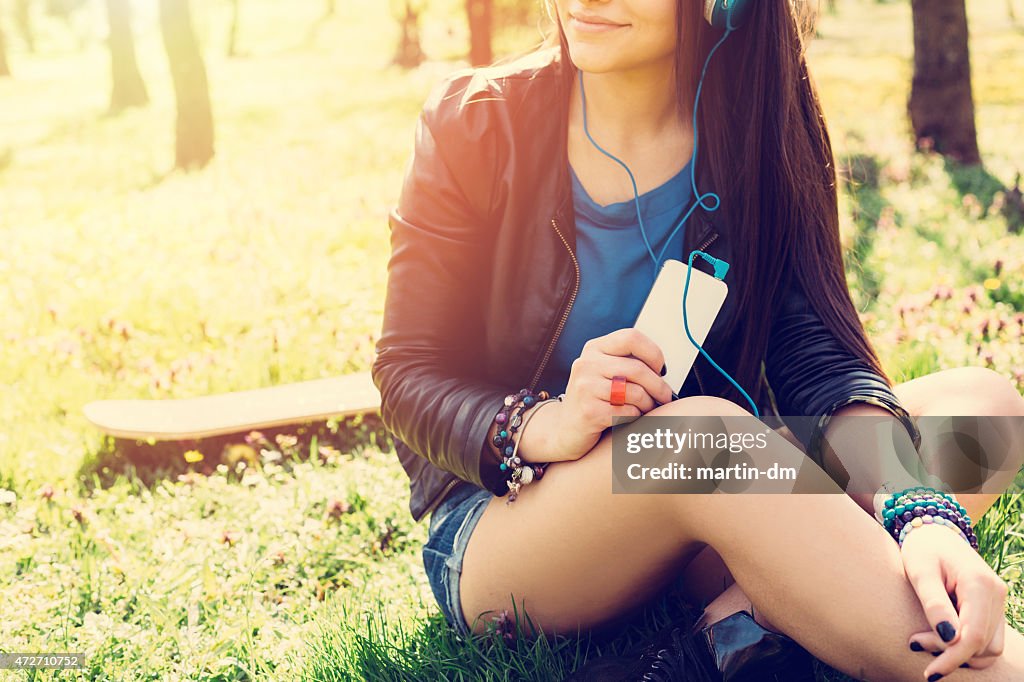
{"x":592,"y":59}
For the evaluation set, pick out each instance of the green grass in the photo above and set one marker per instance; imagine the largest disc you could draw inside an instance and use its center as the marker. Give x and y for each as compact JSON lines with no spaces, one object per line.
{"x":293,"y":557}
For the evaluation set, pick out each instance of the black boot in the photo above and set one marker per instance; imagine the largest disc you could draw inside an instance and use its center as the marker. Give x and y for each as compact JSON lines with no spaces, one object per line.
{"x":744,"y":651}
{"x":673,"y":654}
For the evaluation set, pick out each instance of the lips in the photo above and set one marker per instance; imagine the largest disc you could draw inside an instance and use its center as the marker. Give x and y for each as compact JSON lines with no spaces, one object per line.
{"x":588,"y":24}
{"x":594,"y":19}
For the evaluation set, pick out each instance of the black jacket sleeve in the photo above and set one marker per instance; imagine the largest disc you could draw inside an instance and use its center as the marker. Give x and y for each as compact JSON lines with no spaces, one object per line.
{"x":812,"y":374}
{"x":430,"y":399}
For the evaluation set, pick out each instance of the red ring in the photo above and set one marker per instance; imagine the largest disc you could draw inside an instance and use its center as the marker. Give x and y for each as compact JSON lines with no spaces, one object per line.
{"x":618,"y":396}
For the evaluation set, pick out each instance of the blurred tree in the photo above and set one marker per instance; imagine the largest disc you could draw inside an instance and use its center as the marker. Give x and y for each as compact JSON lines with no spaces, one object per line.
{"x":127,"y":88}
{"x":941,"y":106}
{"x":194,"y":128}
{"x":5,"y":70}
{"x":233,"y":34}
{"x":23,"y":19}
{"x":480,"y":14}
{"x":1013,"y":207}
{"x":63,"y":9}
{"x":330,"y":8}
{"x":409,"y":54}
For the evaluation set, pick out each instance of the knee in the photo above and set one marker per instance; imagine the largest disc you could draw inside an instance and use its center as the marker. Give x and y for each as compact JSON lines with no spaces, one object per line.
{"x":995,"y":392}
{"x":700,"y":405}
{"x":699,"y":412}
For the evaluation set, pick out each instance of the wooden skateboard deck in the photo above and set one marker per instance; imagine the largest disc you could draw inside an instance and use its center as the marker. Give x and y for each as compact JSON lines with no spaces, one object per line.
{"x":238,"y":411}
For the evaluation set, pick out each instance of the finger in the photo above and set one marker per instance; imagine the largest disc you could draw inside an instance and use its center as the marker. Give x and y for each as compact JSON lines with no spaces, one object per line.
{"x":928,"y":641}
{"x":927,"y":580}
{"x":638,"y":373}
{"x":629,"y":341}
{"x":631,"y":412}
{"x":980,"y":662}
{"x":635,"y":395}
{"x":601,"y":389}
{"x":994,"y":648}
{"x":974,"y":632}
{"x":999,"y":591}
{"x":998,"y":642}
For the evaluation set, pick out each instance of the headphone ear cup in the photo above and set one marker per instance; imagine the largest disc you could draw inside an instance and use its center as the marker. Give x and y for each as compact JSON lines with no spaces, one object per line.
{"x":709,"y":11}
{"x":726,"y":14}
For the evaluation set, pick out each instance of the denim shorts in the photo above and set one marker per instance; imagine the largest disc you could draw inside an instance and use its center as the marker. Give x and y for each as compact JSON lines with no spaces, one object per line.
{"x":451,"y":524}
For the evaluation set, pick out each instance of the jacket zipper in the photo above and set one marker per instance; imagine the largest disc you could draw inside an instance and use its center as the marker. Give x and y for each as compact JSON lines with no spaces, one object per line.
{"x":696,"y":369}
{"x":565,"y":315}
{"x":547,"y":354}
{"x":440,"y":496}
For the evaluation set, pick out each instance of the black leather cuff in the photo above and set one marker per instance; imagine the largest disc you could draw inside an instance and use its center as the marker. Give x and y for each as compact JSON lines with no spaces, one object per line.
{"x":879,"y":398}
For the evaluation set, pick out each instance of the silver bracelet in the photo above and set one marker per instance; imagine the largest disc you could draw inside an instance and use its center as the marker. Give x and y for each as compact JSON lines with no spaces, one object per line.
{"x":523,"y":474}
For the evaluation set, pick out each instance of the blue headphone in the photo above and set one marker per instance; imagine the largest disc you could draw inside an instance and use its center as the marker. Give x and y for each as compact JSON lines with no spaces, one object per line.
{"x":726,"y":15}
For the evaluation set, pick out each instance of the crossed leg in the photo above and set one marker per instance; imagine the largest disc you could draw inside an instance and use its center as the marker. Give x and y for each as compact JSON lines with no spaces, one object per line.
{"x":958,"y":391}
{"x":575,"y":556}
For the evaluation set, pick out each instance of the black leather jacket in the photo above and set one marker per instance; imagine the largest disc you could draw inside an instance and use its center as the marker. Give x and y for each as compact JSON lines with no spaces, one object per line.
{"x":483,"y":273}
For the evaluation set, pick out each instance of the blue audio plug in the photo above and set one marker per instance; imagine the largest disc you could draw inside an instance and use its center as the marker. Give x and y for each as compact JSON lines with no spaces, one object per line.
{"x":720,"y":266}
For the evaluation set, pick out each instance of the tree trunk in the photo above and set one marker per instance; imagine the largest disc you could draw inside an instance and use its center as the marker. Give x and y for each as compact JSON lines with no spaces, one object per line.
{"x":409,"y":54}
{"x":5,"y":69}
{"x":24,"y":21}
{"x":194,"y":129}
{"x":233,"y":34}
{"x":479,"y":13}
{"x":128,"y":88}
{"x":941,"y":106}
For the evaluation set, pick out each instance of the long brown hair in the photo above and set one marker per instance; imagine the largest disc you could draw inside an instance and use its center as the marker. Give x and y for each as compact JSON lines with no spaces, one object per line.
{"x":765,"y":150}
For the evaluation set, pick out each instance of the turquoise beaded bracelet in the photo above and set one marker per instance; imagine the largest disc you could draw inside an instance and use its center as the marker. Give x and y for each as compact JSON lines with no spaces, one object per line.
{"x":902,"y":508}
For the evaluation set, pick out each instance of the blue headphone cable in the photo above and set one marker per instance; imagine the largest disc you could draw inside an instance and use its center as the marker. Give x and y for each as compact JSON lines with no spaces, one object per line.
{"x":721,"y":267}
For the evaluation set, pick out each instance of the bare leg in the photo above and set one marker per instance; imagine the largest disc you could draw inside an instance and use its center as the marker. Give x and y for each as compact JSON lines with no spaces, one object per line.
{"x":575,"y":556}
{"x":965,"y":391}
{"x":958,"y":391}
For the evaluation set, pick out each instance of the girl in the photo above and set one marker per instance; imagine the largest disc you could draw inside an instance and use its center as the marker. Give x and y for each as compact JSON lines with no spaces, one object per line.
{"x":521,"y":255}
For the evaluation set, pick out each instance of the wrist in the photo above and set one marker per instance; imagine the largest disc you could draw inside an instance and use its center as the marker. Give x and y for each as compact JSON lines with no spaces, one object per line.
{"x":537,"y":443}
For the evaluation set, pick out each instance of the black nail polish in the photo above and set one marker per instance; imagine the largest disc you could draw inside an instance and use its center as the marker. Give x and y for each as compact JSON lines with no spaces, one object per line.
{"x":965,"y":665}
{"x":916,"y":646}
{"x":934,"y":676}
{"x":664,"y":368}
{"x":946,"y":630}
{"x":935,"y":653}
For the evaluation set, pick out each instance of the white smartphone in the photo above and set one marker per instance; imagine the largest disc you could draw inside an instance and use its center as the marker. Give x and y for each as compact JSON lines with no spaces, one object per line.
{"x":661,"y":318}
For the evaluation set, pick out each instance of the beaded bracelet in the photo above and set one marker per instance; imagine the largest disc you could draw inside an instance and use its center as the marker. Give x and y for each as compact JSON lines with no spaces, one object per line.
{"x":509,"y":418}
{"x":527,"y":473}
{"x":902,"y":508}
{"x":921,"y":521}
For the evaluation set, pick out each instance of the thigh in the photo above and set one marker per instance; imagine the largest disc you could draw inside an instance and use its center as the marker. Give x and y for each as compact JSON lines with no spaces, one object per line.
{"x":706,"y":576}
{"x":577,"y":555}
{"x":962,"y":391}
{"x":571,"y":552}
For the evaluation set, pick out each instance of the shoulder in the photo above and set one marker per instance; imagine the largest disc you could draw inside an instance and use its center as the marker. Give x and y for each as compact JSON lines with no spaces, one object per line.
{"x":474,"y":119}
{"x":485,"y":95}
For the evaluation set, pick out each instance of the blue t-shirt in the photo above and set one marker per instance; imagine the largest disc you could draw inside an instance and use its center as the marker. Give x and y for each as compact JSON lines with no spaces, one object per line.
{"x":616,"y":270}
